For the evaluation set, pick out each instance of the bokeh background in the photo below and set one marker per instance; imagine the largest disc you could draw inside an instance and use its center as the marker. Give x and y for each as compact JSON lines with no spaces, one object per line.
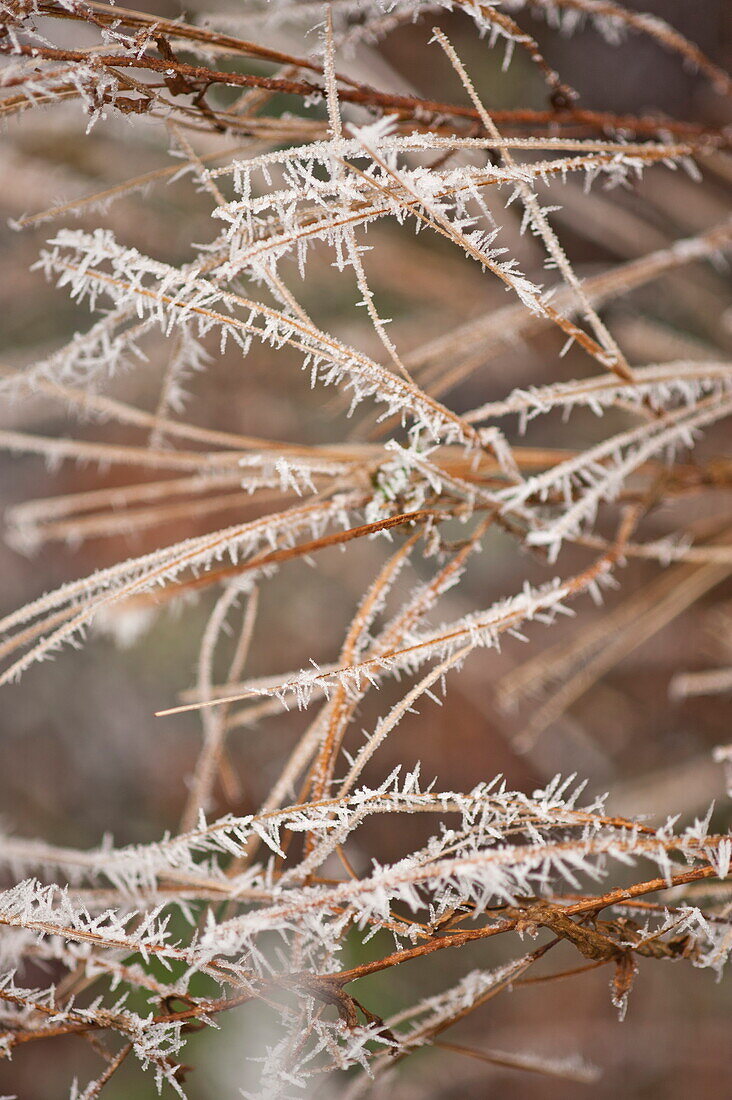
{"x":84,"y":756}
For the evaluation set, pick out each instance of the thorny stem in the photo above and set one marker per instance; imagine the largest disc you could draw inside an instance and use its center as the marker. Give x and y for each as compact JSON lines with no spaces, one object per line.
{"x":364,"y":96}
{"x":460,"y":939}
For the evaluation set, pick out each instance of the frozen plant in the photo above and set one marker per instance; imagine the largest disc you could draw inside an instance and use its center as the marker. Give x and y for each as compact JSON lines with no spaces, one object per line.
{"x":263,"y":908}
